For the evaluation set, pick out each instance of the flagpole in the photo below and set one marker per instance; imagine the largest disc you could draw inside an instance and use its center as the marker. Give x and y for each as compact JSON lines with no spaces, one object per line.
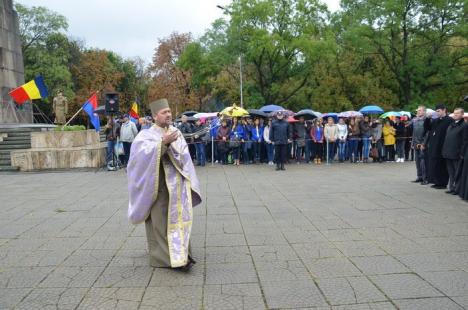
{"x":71,"y":118}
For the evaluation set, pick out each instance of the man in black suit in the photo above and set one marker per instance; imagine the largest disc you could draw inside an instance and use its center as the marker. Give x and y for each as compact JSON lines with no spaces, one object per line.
{"x":438,"y":173}
{"x":452,"y":148}
{"x":280,"y":135}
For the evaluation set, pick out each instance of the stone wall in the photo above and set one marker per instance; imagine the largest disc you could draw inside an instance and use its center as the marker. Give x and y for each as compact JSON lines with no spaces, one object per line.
{"x":61,"y":150}
{"x":11,"y":66}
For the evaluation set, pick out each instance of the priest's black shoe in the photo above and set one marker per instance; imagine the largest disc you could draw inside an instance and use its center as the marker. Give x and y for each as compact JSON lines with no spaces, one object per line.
{"x":417,"y":181}
{"x":438,"y":186}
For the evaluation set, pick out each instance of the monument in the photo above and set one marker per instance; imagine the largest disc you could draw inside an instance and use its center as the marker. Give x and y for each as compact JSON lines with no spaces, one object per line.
{"x":60,"y":106}
{"x":11,"y":67}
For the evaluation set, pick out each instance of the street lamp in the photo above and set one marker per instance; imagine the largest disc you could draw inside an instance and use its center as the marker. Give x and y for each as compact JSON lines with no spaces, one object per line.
{"x":240,"y":63}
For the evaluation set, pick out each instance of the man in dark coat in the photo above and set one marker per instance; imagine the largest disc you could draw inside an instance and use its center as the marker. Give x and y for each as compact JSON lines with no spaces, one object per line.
{"x":453,"y":147}
{"x":462,"y":174}
{"x":438,"y":173}
{"x":280,"y":135}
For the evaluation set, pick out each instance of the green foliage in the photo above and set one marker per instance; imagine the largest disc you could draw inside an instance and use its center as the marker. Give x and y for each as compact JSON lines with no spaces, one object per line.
{"x":70,"y":128}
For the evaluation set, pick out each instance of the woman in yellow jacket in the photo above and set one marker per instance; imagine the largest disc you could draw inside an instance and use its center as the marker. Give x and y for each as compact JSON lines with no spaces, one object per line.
{"x":389,"y":140}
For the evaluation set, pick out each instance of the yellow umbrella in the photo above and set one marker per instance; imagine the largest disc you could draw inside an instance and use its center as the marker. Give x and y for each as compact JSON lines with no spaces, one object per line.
{"x":234,"y":111}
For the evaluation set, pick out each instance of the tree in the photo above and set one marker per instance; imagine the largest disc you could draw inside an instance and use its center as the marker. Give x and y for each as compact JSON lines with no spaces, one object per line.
{"x":37,"y":24}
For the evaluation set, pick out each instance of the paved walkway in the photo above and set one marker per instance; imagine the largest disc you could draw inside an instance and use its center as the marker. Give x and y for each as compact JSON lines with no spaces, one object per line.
{"x":329,"y":237}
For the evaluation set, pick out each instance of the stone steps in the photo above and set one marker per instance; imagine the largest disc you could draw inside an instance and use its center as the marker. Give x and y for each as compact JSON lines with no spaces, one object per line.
{"x":13,"y":139}
{"x":14,"y":146}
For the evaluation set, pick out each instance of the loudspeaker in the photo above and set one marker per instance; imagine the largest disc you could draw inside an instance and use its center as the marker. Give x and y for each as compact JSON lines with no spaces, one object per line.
{"x":112,"y":102}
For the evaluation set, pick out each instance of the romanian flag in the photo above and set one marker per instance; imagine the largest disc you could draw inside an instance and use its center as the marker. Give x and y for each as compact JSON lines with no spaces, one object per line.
{"x":90,"y":106}
{"x":134,"y":111}
{"x":34,"y":89}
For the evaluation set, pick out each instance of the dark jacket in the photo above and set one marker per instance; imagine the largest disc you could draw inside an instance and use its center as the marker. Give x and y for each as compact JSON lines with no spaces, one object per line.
{"x":280,"y":132}
{"x":300,"y":131}
{"x":186,"y":128}
{"x":454,"y":140}
{"x":400,"y":131}
{"x":419,"y":127}
{"x":436,"y":136}
{"x":365,"y":129}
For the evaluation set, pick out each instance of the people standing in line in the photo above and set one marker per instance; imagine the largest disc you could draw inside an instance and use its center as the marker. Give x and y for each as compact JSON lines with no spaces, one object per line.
{"x":420,"y":125}
{"x":199,"y":140}
{"x":438,"y":174}
{"x":268,"y":143}
{"x":280,"y":135}
{"x":388,"y":132}
{"x":462,"y":187}
{"x":400,"y":140}
{"x":318,"y":137}
{"x":452,"y":148}
{"x":377,"y":142}
{"x":222,"y":139}
{"x":256,"y":134}
{"x":331,"y":136}
{"x":342,"y":138}
{"x":365,"y":129}
{"x":353,"y":139}
{"x":236,"y":140}
{"x":300,"y":132}
{"x":111,"y":131}
{"x":128,"y":132}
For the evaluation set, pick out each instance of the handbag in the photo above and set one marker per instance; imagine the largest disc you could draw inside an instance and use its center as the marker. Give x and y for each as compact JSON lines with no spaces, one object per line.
{"x":118,"y":148}
{"x":234,"y":143}
{"x":374,"y":152}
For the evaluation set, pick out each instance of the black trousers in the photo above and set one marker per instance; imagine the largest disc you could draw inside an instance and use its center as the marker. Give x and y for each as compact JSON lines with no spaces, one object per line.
{"x":452,"y":169}
{"x":438,"y":173}
{"x":127,"y":146}
{"x":280,"y":153}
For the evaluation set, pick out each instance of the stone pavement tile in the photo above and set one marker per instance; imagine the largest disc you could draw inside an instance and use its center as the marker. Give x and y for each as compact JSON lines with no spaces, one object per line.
{"x":23,"y":244}
{"x":278,"y":271}
{"x":234,"y":254}
{"x":350,"y":290}
{"x":225,"y":240}
{"x":22,"y":277}
{"x":451,"y":283}
{"x":63,"y":244}
{"x":221,"y":227}
{"x":171,"y":277}
{"x":100,"y":242}
{"x":316,"y":250}
{"x":368,"y":306}
{"x":358,"y":248}
{"x":130,"y":258}
{"x":293,"y":294}
{"x":343,"y":235}
{"x":399,"y":286}
{"x":378,"y":265}
{"x":434,"y":261}
{"x":331,"y":267}
{"x":269,"y":253}
{"x":230,"y":273}
{"x":115,"y":276}
{"x":462,"y":301}
{"x":326,"y":224}
{"x":89,"y":258}
{"x":233,"y":296}
{"x":112,"y":298}
{"x":72,"y":277}
{"x":176,"y":298}
{"x":437,"y":303}
{"x":304,"y":236}
{"x":401,"y":246}
{"x":9,"y":297}
{"x":264,"y":238}
{"x":440,"y":244}
{"x":44,"y":258}
{"x":53,"y":298}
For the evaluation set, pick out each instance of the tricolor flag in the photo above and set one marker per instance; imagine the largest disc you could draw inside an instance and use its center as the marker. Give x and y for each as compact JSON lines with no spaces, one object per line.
{"x":134,"y":111}
{"x":90,"y":106}
{"x":34,"y":89}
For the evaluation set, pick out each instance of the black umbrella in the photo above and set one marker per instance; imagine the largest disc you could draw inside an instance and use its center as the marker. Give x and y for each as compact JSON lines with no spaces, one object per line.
{"x":190,"y":113}
{"x":307,"y":114}
{"x":255,"y":112}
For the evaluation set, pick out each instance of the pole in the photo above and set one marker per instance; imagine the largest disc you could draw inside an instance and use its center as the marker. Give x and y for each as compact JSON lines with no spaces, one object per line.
{"x":212,"y":151}
{"x":241,"y":82}
{"x":72,"y":118}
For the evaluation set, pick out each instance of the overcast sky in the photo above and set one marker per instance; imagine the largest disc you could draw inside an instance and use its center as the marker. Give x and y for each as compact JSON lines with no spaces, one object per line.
{"x":132,"y":27}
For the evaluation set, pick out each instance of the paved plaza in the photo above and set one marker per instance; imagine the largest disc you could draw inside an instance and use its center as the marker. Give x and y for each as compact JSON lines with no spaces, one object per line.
{"x":330,"y":237}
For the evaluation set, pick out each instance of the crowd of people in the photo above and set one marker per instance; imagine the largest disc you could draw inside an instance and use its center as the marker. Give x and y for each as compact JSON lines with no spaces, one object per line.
{"x":438,"y":144}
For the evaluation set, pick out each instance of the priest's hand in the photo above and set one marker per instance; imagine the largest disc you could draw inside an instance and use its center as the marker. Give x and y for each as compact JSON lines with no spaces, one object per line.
{"x":170,"y":137}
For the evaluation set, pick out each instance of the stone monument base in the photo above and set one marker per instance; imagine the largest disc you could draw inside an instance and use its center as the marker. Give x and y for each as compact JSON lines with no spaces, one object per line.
{"x":61,"y":150}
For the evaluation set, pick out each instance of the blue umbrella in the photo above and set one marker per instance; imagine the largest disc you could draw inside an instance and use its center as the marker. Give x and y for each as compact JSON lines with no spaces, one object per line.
{"x":371,"y":109}
{"x":307,"y":114}
{"x":271,"y":108}
{"x":334,"y":115}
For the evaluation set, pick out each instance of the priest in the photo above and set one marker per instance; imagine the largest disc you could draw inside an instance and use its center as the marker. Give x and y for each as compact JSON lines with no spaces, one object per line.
{"x":163,"y":187}
{"x":438,"y":174}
